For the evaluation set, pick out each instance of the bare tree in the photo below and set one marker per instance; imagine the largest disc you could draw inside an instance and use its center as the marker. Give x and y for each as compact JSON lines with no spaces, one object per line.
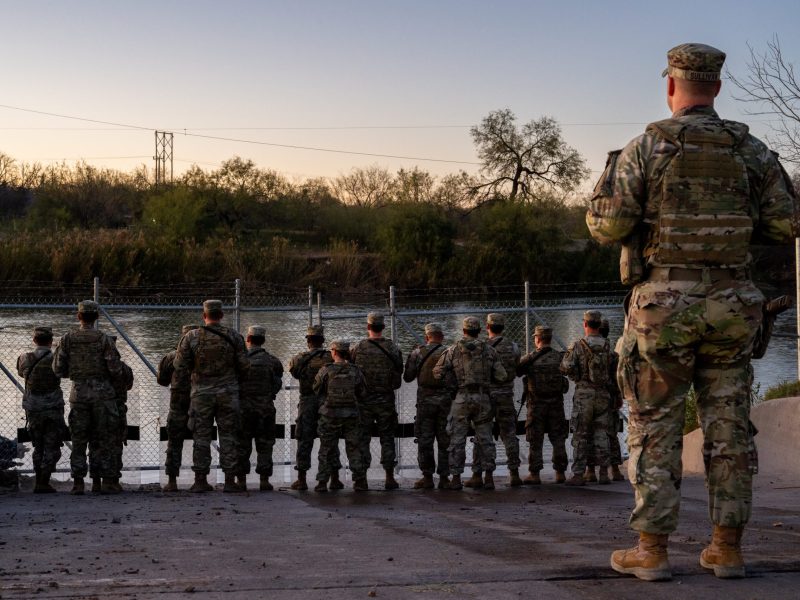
{"x":9,"y":173}
{"x":519,"y":161}
{"x":772,"y":87}
{"x":368,"y":186}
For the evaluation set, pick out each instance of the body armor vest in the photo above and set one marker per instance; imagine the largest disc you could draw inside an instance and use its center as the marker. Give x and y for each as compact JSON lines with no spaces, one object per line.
{"x":86,"y":354}
{"x":341,"y":386}
{"x":705,"y":217}
{"x":545,"y":378}
{"x":379,"y":370}
{"x":259,"y":383}
{"x":509,"y":353}
{"x":313,"y":361}
{"x":471,"y":363}
{"x":214,"y":355}
{"x":41,"y":379}
{"x":425,"y":376}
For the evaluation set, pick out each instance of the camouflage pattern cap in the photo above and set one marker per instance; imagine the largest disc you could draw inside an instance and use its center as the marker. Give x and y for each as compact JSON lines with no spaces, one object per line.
{"x":694,"y":62}
{"x":431,"y":328}
{"x":315,"y":330}
{"x":340,"y":345}
{"x":592,"y":315}
{"x":187,"y":328}
{"x":210,"y":306}
{"x":471,"y":323}
{"x":88,"y":306}
{"x":541,"y":330}
{"x":374,"y":318}
{"x":256,"y":330}
{"x":495,"y":319}
{"x":42,"y":331}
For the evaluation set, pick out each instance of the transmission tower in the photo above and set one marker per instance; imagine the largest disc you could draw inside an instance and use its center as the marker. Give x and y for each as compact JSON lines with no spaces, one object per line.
{"x":163,"y":157}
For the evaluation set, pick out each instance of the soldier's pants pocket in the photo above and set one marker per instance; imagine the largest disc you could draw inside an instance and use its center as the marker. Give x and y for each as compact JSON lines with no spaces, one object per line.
{"x":636,"y":443}
{"x":627,"y":370}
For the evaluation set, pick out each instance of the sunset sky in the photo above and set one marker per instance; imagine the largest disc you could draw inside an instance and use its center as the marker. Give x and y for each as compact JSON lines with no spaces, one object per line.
{"x":395,"y":78}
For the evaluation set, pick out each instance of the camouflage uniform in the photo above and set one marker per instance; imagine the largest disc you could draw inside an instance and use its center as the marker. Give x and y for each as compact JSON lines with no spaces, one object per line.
{"x":122,"y":386}
{"x":216,"y":358}
{"x":686,"y":198}
{"x":381,"y":362}
{"x":614,"y":418}
{"x":89,"y":358}
{"x":434,"y":399}
{"x":475,"y":366}
{"x":588,"y":363}
{"x":304,"y":367}
{"x":342,"y":387}
{"x":263,"y":381}
{"x":546,"y":387}
{"x":178,"y":416}
{"x":43,"y":402}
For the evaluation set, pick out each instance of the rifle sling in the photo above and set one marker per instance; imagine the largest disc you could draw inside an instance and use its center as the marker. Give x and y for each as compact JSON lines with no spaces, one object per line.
{"x":387,"y":353}
{"x":33,"y":366}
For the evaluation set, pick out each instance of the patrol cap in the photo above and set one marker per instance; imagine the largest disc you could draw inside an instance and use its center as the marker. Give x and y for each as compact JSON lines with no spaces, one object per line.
{"x":495,"y":319}
{"x":374,"y":318}
{"x":471,"y":323}
{"x":88,"y":306}
{"x":694,"y":62}
{"x":431,"y":328}
{"x":187,"y":328}
{"x":315,"y":330}
{"x":340,"y":345}
{"x":210,"y":306}
{"x":592,"y":315}
{"x":42,"y":331}
{"x":256,"y":331}
{"x":542,"y":331}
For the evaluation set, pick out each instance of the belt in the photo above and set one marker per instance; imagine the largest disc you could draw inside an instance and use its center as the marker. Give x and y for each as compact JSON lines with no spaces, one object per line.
{"x":704,"y":274}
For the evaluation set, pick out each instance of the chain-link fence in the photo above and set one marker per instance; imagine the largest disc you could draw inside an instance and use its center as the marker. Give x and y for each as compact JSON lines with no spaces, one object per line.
{"x":148,"y":321}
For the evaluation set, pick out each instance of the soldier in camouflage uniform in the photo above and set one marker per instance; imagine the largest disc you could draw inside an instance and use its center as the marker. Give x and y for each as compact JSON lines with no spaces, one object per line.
{"x":304,"y":367}
{"x":89,"y":358}
{"x":546,"y":387}
{"x":44,"y":407}
{"x":475,"y":366}
{"x":178,"y":417}
{"x":122,"y":385}
{"x":686,"y":199}
{"x":382,"y":365}
{"x":588,"y":363}
{"x":262,"y":383}
{"x":341,"y":387}
{"x":434,"y":398}
{"x":216,"y":358}
{"x":502,"y":395}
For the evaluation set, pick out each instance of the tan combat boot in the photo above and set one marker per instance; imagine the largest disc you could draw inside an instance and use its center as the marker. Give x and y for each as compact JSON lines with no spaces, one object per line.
{"x":604,"y":480}
{"x":109,"y":485}
{"x":590,"y":476}
{"x":231,"y":487}
{"x":455,"y":483}
{"x":444,"y":482}
{"x":425,"y":483}
{"x":172,"y":484}
{"x":475,"y":482}
{"x":576,"y":479}
{"x":360,"y":485}
{"x":532,"y":478}
{"x":560,"y":477}
{"x":322,"y":486}
{"x":514,"y":480}
{"x":43,"y":483}
{"x":241,"y":481}
{"x":724,"y":554}
{"x":201,"y":484}
{"x":301,"y":484}
{"x":97,"y":485}
{"x":390,"y":483}
{"x":264,"y":485}
{"x":648,"y":560}
{"x":616,"y":475}
{"x":488,"y":480}
{"x":77,"y":486}
{"x":335,"y":483}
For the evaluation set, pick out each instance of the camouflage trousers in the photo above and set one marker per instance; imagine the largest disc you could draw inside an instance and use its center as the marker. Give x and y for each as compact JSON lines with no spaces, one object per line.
{"x":330,"y":430}
{"x":678,"y":335}
{"x":46,"y":428}
{"x":614,"y":448}
{"x":223,"y":407}
{"x":120,"y":438}
{"x":177,"y":430}
{"x":307,"y":424}
{"x":94,"y":423}
{"x":475,"y":408}
{"x":589,"y":418}
{"x":384,"y":415}
{"x":430,"y":424}
{"x":258,"y":425}
{"x":505,"y":415}
{"x":546,"y":416}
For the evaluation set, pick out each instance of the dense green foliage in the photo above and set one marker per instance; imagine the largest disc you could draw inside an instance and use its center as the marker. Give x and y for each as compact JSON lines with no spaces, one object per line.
{"x":785,"y":389}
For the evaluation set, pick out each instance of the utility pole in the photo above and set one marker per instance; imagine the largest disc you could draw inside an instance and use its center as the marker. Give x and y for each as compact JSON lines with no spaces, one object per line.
{"x":163,"y":157}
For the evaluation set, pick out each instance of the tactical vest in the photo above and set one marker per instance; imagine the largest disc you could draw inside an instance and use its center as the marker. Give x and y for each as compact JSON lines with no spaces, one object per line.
{"x":259,"y":383}
{"x":86,"y":359}
{"x":596,"y":364}
{"x":313,"y":361}
{"x":705,"y":217}
{"x":41,"y":379}
{"x":509,"y":353}
{"x":425,"y":376}
{"x":341,"y":386}
{"x":545,"y":378}
{"x":379,"y":370}
{"x":471,"y":363}
{"x":214,"y":355}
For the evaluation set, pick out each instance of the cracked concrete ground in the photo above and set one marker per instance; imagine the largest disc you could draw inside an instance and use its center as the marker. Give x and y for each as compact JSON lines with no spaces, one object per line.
{"x":543,"y":542}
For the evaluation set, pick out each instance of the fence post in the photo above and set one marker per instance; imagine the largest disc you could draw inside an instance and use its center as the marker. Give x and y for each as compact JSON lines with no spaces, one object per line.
{"x":96,"y":296}
{"x":392,"y":313}
{"x":237,"y":302}
{"x":527,"y":317}
{"x":310,"y":306}
{"x":319,"y":307}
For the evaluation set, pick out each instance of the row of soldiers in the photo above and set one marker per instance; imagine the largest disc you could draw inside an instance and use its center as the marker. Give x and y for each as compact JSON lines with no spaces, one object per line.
{"x":217,"y":376}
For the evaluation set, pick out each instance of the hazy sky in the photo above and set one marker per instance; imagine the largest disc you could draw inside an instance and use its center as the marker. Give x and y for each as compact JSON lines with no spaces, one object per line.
{"x":407,"y":78}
